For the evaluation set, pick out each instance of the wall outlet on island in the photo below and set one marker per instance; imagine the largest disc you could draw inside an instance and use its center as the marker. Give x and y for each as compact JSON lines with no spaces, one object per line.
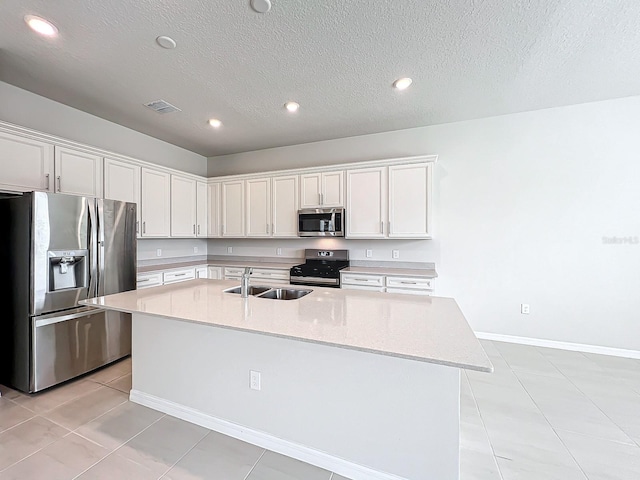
{"x":158,"y":252}
{"x":524,"y":308}
{"x":369,"y":253}
{"x":395,"y":253}
{"x":229,"y":249}
{"x":254,"y":380}
{"x":278,"y":251}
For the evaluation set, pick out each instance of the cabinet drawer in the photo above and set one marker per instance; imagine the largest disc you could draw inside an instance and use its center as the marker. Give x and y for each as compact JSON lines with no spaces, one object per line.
{"x":270,"y":274}
{"x":179,"y":275}
{"x":362,"y":287}
{"x":146,"y":280}
{"x":409,"y":291}
{"x":410,"y":282}
{"x":233,"y":272}
{"x":366,"y":280}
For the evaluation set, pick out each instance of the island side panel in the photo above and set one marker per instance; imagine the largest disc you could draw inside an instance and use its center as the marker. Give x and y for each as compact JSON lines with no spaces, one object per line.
{"x":386,"y":413}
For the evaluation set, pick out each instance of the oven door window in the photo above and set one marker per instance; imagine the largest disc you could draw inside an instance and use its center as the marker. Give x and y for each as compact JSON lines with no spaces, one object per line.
{"x":315,"y":222}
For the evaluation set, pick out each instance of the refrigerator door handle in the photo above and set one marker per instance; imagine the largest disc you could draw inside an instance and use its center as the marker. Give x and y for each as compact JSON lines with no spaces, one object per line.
{"x":50,"y":320}
{"x":93,"y":249}
{"x":100,"y":246}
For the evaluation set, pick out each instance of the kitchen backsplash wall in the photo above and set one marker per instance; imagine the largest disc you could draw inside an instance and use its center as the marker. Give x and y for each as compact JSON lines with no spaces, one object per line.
{"x":381,"y":250}
{"x":171,"y":248}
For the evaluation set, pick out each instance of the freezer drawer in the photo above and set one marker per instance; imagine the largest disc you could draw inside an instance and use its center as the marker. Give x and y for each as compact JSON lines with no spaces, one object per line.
{"x":69,"y":345}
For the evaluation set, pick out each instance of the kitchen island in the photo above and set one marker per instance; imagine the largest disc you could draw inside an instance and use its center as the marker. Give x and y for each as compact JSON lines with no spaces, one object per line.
{"x":360,"y":383}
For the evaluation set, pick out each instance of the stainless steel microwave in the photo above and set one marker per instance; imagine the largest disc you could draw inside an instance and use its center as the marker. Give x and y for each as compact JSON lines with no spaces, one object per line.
{"x":321,"y":222}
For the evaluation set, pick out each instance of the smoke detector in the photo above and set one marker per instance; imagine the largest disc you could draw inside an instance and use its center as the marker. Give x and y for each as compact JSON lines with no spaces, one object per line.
{"x":160,"y":106}
{"x":261,"y":6}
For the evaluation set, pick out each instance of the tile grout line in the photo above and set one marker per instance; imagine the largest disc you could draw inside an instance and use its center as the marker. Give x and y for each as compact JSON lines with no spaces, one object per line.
{"x":255,"y":464}
{"x":185,"y":454}
{"x":115,"y":449}
{"x":588,"y":397}
{"x":545,"y":417}
{"x":484,"y":427}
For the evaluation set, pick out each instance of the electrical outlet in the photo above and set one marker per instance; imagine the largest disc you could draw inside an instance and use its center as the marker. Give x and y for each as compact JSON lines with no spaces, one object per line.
{"x":159,"y":252}
{"x":524,"y":308}
{"x":395,"y":253}
{"x":254,"y":380}
{"x":229,"y":249}
{"x":195,"y":249}
{"x":369,"y":253}
{"x":278,"y":251}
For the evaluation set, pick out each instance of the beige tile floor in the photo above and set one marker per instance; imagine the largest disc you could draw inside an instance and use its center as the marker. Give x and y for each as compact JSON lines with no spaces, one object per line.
{"x":543,"y":415}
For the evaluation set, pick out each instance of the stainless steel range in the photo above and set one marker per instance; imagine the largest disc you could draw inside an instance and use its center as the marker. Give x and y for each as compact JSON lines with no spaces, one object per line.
{"x":321,"y":268}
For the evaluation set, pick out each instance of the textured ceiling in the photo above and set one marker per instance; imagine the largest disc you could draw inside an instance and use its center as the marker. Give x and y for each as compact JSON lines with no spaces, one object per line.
{"x":337,"y":58}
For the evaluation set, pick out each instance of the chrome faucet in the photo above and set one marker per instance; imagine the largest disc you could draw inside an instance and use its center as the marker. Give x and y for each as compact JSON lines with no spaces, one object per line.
{"x":244,"y":285}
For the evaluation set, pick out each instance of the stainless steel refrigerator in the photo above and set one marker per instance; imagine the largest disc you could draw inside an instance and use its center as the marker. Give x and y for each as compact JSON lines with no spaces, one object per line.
{"x":54,"y":251}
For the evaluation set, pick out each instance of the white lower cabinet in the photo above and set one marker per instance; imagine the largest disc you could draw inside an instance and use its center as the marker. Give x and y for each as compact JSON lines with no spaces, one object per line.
{"x":146,"y":280}
{"x":182,"y":275}
{"x":215,"y":273}
{"x":388,"y":283}
{"x":270,"y":275}
{"x":202,"y":272}
{"x":233,"y":273}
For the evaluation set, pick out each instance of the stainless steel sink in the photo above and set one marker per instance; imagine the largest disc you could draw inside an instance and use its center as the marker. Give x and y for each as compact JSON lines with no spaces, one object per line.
{"x":253,"y":290}
{"x":284,"y":294}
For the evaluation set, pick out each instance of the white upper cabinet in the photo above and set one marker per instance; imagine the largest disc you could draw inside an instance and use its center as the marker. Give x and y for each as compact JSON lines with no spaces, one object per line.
{"x":324,"y":189}
{"x":214,"y":216}
{"x":25,"y":164}
{"x":389,"y":202}
{"x":156,"y":203}
{"x":122,"y":182}
{"x":258,"y":204}
{"x":410,"y":200}
{"x":77,"y":172}
{"x":202,"y":209}
{"x":284,"y":219}
{"x":183,"y":207}
{"x":366,"y":207}
{"x":232,"y":202}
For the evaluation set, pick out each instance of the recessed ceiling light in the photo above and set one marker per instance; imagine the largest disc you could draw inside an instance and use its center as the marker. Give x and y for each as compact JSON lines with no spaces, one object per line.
{"x":215,"y":123}
{"x":41,"y":26}
{"x":261,"y":6}
{"x":402,"y":83}
{"x":166,"y":42}
{"x":292,"y":106}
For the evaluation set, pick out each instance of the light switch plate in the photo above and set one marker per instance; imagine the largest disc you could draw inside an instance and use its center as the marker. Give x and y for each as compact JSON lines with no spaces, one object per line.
{"x":369,"y":253}
{"x":159,"y":252}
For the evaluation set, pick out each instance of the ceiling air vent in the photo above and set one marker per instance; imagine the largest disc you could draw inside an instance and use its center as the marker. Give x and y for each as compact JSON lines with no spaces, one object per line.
{"x":161,"y":106}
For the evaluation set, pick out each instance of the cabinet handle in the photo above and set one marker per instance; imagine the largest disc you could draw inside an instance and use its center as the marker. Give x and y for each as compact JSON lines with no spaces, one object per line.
{"x":198,"y":229}
{"x":272,"y":230}
{"x":137,"y":226}
{"x":267,"y":229}
{"x":59,"y":184}
{"x":47,"y":177}
{"x":179,"y":274}
{"x":389,"y":229}
{"x":194,"y":228}
{"x":144,"y":280}
{"x":144,"y":227}
{"x":362,"y":279}
{"x":321,"y":199}
{"x":409,"y":283}
{"x":381,"y":227}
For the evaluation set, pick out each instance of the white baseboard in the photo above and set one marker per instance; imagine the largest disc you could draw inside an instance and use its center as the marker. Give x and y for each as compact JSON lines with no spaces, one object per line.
{"x":574,"y":347}
{"x":261,"y":439}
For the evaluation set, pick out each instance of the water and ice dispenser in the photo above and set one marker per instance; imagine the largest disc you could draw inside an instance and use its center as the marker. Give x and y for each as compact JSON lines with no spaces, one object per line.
{"x":68,"y":269}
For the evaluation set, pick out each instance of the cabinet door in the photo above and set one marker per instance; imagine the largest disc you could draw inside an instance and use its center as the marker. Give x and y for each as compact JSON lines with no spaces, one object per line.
{"x":202,"y":209}
{"x":156,"y":203}
{"x":183,"y":207}
{"x":410,"y":201}
{"x":366,"y":202}
{"x":233,"y":208}
{"x":25,"y":164}
{"x":258,"y":207}
{"x":78,"y":173}
{"x":215,"y":273}
{"x":332,"y":189}
{"x":201,"y":272}
{"x":122,"y":182}
{"x":285,"y":206}
{"x":214,"y":223}
{"x":310,"y":190}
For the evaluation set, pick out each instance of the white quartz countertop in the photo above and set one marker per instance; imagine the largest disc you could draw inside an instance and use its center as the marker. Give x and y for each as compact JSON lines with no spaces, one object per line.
{"x":404,"y":272}
{"x":421,"y":328}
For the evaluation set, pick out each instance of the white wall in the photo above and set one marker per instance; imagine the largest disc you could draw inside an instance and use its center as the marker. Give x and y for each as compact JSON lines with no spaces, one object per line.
{"x":170,"y":248}
{"x":29,"y":110}
{"x":521,"y":205}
